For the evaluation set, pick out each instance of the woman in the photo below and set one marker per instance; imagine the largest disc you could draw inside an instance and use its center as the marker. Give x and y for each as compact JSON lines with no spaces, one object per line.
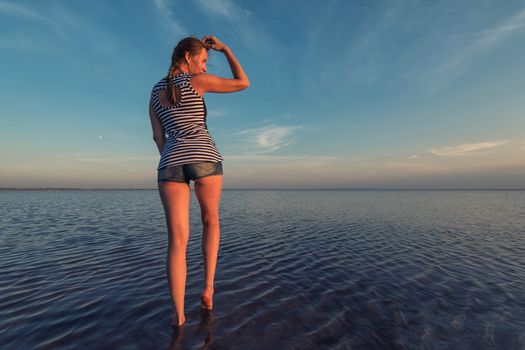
{"x":178,"y":119}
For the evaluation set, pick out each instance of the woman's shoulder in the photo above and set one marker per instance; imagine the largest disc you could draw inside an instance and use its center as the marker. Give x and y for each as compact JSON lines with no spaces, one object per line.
{"x":181,"y":80}
{"x":160,"y":85}
{"x":176,"y":79}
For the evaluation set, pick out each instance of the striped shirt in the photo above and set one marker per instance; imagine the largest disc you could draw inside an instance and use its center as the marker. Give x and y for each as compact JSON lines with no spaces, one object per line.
{"x":184,"y":123}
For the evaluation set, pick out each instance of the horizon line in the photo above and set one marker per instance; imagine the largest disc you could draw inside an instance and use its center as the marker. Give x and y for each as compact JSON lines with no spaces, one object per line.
{"x":267,"y":189}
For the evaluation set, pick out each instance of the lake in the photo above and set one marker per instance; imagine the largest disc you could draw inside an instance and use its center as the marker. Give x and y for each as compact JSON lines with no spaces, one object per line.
{"x":297,"y":269}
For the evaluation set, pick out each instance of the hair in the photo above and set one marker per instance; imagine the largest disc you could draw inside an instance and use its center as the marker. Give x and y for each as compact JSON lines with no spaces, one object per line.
{"x":190,"y":45}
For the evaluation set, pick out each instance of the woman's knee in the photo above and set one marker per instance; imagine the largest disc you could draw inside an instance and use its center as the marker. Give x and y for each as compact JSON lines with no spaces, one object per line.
{"x":178,"y":245}
{"x":178,"y":238}
{"x":209,"y":219}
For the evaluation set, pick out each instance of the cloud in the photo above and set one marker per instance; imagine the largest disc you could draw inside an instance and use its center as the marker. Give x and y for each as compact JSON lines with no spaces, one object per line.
{"x":467,"y":148}
{"x":474,"y":45}
{"x":24,"y":37}
{"x":22,"y":42}
{"x":522,"y":147}
{"x":19,"y":10}
{"x":115,"y":159}
{"x":381,"y":48}
{"x":216,"y":113}
{"x":281,"y":159}
{"x":168,"y":19}
{"x":102,"y":158}
{"x":268,"y":138}
{"x":63,"y":31}
{"x":493,"y":36}
{"x":246,"y":25}
{"x":368,"y":53}
{"x":288,"y":171}
{"x":224,"y":8}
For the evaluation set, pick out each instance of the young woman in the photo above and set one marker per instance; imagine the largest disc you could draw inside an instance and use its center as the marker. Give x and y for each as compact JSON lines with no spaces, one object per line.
{"x":187,"y":152}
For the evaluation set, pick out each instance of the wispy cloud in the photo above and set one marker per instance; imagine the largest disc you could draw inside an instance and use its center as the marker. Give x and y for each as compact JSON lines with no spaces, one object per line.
{"x":288,"y":171}
{"x":496,"y":34}
{"x":268,"y":138}
{"x":242,"y":21}
{"x":366,"y":54}
{"x":112,"y":159}
{"x":407,"y":167}
{"x":473,"y":45}
{"x":467,"y":148}
{"x":59,"y":29}
{"x":168,"y":19}
{"x":225,"y":8}
{"x":19,"y":10}
{"x":382,"y":48}
{"x":279,"y":158}
{"x":216,"y":113}
{"x":77,"y":159}
{"x":22,"y":42}
{"x":522,"y":147}
{"x":24,"y":37}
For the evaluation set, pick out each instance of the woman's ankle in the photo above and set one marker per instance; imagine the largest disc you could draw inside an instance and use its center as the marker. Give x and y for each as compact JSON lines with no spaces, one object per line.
{"x":178,"y":321}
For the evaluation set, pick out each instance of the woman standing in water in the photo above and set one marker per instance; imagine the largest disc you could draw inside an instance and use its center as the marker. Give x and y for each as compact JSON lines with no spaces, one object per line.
{"x":187,"y":152}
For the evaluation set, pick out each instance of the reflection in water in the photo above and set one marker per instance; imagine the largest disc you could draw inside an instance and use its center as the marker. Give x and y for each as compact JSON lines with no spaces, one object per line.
{"x":176,"y":337}
{"x":205,"y":327}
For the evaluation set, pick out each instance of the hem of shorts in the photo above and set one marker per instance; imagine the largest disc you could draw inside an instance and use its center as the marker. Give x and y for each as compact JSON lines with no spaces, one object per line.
{"x":200,"y":161}
{"x":200,"y":177}
{"x":179,"y":181}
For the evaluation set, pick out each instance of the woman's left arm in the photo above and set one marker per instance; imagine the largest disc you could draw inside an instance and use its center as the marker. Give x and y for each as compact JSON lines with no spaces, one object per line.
{"x":158,"y":131}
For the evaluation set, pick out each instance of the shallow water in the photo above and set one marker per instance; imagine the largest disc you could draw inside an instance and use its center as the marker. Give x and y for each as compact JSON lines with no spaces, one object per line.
{"x":297,"y":270}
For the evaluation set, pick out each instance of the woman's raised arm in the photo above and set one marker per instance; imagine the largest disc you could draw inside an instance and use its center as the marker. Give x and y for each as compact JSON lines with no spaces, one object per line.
{"x":203,"y":83}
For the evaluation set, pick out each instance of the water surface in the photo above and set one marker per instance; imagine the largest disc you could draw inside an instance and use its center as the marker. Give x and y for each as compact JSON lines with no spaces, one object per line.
{"x":297,"y":270}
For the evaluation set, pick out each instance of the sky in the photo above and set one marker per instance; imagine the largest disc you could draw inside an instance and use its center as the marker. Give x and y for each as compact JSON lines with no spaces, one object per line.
{"x":344,"y":94}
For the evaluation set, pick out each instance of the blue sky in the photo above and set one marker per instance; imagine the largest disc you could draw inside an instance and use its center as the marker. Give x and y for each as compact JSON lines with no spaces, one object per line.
{"x":385,"y":94}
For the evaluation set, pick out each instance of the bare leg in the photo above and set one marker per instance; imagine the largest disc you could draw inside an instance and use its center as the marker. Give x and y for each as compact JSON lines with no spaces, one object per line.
{"x":176,"y":200}
{"x":208,"y":190}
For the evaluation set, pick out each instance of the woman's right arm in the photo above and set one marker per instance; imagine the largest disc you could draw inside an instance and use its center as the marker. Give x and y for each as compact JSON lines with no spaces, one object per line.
{"x":158,"y":131}
{"x":211,"y":83}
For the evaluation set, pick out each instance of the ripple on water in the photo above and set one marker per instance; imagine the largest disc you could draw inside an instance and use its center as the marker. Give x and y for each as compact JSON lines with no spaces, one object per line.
{"x":297,"y":270}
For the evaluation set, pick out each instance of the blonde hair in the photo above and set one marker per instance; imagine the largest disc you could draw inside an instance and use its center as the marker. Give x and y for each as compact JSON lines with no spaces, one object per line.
{"x":190,"y":45}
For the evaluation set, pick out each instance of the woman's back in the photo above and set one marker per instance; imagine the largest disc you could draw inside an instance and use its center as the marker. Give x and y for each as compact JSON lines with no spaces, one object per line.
{"x":187,"y":137}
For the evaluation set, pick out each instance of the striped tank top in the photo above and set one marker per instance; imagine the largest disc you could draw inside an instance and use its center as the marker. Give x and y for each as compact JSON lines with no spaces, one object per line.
{"x":187,"y":137}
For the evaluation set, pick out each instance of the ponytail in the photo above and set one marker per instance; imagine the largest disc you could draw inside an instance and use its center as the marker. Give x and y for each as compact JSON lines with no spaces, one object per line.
{"x":171,"y":91}
{"x":190,"y":45}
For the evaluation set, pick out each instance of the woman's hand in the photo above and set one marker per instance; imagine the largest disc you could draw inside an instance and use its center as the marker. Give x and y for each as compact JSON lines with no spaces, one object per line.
{"x":203,"y":83}
{"x":213,"y":43}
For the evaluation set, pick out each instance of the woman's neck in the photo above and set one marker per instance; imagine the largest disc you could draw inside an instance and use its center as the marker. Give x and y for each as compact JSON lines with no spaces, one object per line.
{"x":181,"y":70}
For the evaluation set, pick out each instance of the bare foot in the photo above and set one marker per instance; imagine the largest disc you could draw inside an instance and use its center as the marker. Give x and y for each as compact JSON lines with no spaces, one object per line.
{"x":178,"y":323}
{"x":207,"y":298}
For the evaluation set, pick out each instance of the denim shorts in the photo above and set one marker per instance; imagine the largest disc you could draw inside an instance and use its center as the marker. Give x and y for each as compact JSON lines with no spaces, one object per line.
{"x":187,"y":172}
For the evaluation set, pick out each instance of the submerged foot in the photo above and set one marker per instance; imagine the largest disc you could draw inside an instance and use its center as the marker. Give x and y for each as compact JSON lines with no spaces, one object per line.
{"x":176,"y":321}
{"x":207,"y":299}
